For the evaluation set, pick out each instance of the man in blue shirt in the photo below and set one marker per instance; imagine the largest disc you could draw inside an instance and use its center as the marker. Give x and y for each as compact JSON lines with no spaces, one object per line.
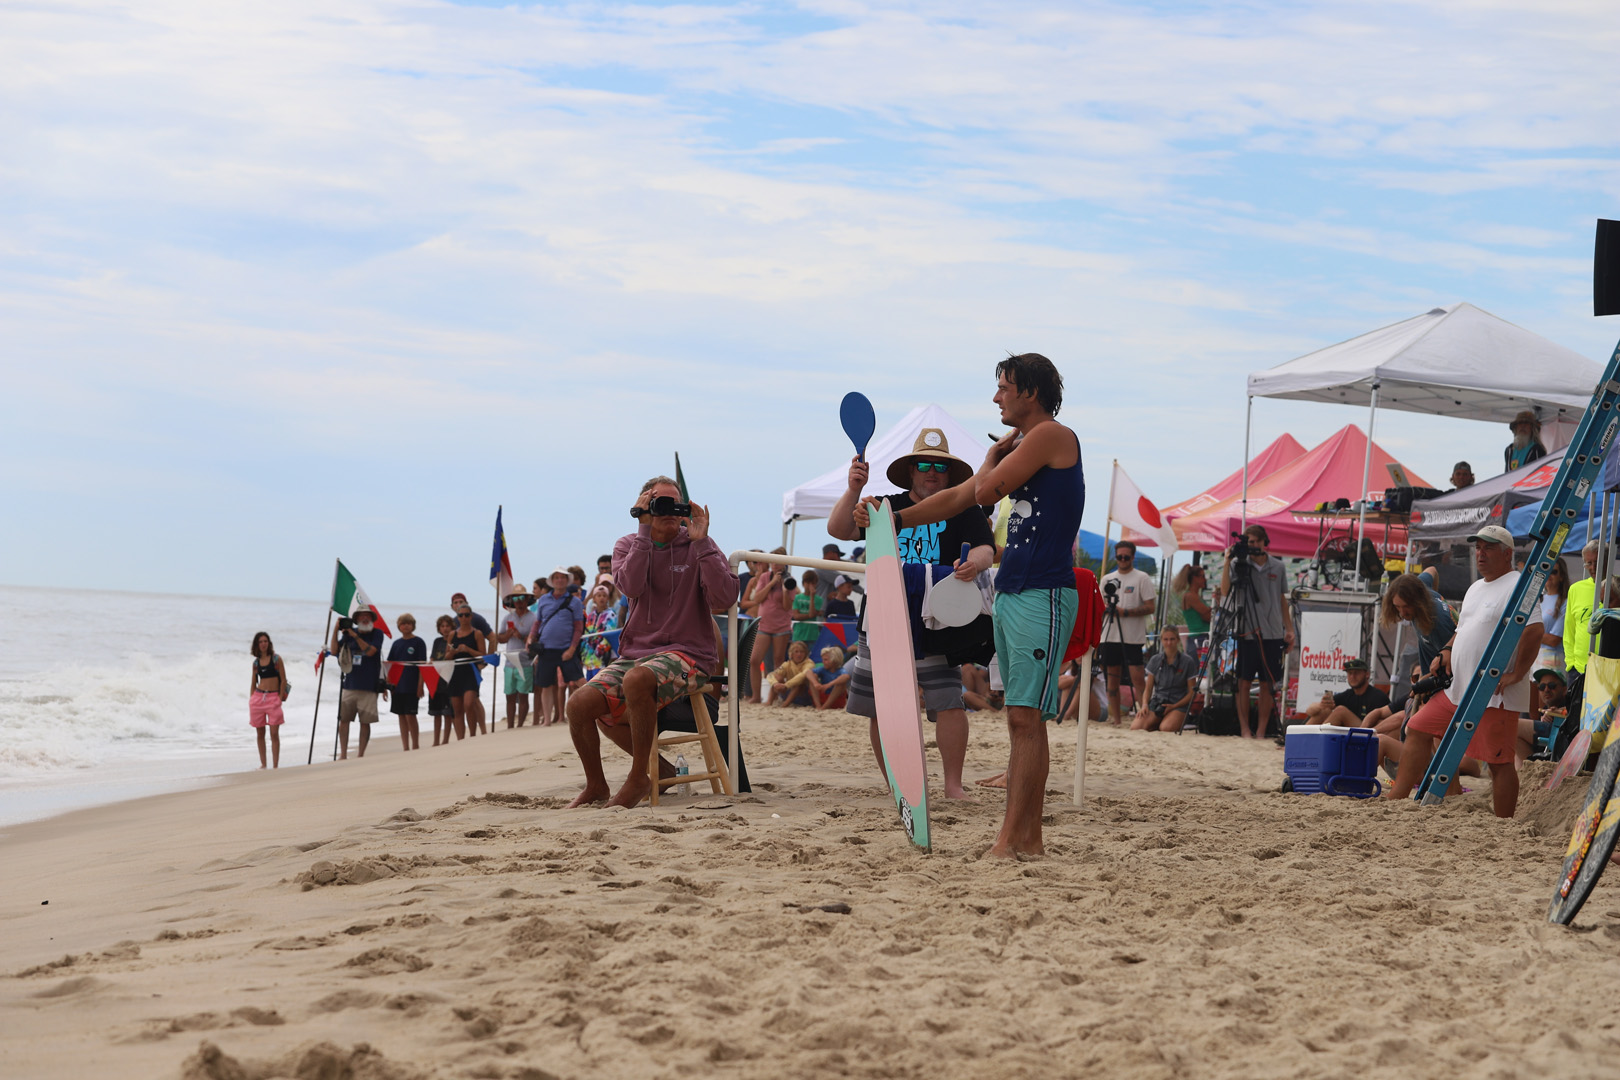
{"x":362,"y":681}
{"x":559,"y":624}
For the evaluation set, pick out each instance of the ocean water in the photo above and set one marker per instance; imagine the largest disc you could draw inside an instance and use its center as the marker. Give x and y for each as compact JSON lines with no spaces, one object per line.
{"x":110,"y":695}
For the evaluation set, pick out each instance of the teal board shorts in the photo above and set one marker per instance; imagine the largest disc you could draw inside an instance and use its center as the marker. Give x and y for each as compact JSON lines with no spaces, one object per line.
{"x":1032,"y":632}
{"x":519,"y":674}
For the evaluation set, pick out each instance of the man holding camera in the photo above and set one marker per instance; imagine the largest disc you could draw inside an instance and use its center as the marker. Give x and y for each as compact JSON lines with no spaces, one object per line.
{"x":1497,"y":734}
{"x":675,"y":577}
{"x":1130,"y":598}
{"x":362,"y":681}
{"x":1261,"y":595}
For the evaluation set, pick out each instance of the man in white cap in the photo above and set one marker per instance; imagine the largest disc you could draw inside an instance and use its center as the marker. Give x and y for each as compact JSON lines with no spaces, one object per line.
{"x":929,"y":469}
{"x":559,"y":624}
{"x":1495,"y":737}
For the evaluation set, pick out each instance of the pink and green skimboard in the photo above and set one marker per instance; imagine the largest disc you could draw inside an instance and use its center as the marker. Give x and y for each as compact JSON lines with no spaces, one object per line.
{"x":894,"y":676}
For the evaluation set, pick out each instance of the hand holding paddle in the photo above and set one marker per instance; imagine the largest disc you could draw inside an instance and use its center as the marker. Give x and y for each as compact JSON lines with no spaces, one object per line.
{"x":966,"y":571}
{"x":855,"y":413}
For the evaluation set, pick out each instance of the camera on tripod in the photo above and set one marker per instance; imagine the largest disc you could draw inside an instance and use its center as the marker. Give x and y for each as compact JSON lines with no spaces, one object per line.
{"x":1240,"y":548}
{"x":1111,"y":593}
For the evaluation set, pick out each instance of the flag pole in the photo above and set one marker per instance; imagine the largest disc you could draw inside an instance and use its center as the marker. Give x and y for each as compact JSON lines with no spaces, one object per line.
{"x":321,"y":678}
{"x":494,"y":683}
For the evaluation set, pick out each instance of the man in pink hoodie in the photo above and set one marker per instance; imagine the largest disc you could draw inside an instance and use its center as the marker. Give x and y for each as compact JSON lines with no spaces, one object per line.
{"x":674,"y":577}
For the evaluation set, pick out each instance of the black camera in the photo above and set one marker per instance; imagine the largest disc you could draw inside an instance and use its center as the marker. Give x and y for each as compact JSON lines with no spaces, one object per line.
{"x":1240,"y":548}
{"x":788,"y":582}
{"x":344,"y":623}
{"x":1431,"y":684}
{"x":1111,"y":593}
{"x":662,"y":506}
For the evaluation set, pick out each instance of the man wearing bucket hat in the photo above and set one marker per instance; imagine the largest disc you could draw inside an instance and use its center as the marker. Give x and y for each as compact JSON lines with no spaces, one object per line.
{"x":1495,"y":738}
{"x":929,"y":469}
{"x":516,"y":626}
{"x":1526,"y":445}
{"x":559,"y":624}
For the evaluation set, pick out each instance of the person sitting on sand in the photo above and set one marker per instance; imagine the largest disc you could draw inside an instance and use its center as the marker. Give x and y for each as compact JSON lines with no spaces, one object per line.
{"x":789,"y":684}
{"x":829,"y":681}
{"x":1552,"y":703}
{"x":265,"y":695}
{"x":1349,"y":708}
{"x":1494,"y":738}
{"x":1172,"y":680}
{"x":675,"y":576}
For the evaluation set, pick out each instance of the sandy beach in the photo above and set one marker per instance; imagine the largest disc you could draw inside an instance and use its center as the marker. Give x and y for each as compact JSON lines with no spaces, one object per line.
{"x":438,"y":914}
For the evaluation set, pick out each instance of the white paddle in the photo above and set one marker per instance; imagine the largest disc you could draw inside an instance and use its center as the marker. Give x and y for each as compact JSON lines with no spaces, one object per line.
{"x":955,"y":602}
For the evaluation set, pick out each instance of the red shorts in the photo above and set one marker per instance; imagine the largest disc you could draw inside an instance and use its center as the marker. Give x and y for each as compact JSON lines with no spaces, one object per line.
{"x":1494,"y":739}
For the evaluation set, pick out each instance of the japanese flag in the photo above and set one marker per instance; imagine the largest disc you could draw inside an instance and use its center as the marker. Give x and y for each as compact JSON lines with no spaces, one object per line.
{"x":1142,"y":520}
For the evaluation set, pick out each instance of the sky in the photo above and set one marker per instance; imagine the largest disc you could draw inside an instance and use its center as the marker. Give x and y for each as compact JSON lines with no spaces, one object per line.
{"x":287,"y":282}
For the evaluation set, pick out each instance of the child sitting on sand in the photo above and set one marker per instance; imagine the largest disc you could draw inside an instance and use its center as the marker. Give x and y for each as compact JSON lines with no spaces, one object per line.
{"x":829,"y":680}
{"x":787,"y":682}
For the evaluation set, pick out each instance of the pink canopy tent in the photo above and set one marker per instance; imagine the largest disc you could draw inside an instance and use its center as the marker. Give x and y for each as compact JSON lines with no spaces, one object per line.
{"x":1283,"y":449}
{"x":1331,"y":470}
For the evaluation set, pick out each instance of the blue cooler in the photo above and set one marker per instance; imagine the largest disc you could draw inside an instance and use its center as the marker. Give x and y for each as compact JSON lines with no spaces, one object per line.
{"x":1321,"y":759}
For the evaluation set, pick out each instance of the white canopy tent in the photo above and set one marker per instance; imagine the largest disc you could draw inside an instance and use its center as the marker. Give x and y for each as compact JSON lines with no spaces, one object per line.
{"x":815,"y":498}
{"x":1450,"y":361}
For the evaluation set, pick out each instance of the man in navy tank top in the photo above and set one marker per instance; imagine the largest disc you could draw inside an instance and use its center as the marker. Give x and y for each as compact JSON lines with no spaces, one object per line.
{"x":1037,"y":465}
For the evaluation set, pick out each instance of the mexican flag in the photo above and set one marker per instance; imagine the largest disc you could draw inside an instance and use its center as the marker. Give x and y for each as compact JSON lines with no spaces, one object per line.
{"x":348,"y":598}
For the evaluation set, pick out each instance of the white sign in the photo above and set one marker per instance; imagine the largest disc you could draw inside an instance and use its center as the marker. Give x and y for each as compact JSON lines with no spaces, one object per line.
{"x":1326,"y":640}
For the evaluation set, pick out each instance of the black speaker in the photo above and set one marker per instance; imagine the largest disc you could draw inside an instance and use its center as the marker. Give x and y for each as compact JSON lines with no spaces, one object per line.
{"x":1606,"y":269}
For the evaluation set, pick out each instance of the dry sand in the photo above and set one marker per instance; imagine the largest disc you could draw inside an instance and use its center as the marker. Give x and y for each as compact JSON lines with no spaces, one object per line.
{"x":1189,"y":921}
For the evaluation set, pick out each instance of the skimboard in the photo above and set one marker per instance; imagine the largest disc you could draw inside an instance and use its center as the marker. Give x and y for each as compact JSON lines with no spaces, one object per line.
{"x":894,"y":676}
{"x":1592,"y":842}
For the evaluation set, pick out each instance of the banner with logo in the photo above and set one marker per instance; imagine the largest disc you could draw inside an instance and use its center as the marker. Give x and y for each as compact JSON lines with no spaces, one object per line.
{"x":1326,"y":640}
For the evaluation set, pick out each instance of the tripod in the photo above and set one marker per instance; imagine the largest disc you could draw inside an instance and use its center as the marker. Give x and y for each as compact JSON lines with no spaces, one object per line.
{"x":1122,"y":670}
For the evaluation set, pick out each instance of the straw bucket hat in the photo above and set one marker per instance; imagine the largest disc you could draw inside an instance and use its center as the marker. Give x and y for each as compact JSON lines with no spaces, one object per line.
{"x":519,"y":592}
{"x":931,"y":445}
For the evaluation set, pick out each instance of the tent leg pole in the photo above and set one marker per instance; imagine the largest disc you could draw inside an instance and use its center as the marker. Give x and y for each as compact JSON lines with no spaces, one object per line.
{"x":1248,"y":425}
{"x":1366,"y":475}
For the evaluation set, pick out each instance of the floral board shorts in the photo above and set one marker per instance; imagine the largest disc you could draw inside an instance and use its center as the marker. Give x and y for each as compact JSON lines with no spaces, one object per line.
{"x":677,"y":676}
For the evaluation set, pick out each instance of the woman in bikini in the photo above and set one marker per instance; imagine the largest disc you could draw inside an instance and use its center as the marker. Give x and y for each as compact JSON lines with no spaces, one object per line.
{"x":265,"y":695}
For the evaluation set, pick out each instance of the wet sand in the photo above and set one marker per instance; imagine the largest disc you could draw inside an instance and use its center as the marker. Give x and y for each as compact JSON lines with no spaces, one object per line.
{"x":441,"y":909}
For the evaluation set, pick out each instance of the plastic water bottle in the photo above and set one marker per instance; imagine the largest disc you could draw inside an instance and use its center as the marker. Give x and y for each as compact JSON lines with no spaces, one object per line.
{"x":681,"y":769}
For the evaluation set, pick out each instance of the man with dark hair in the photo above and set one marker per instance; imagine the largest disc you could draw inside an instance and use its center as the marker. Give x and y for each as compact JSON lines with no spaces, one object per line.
{"x":1037,"y":465}
{"x":1462,"y":475}
{"x":1262,"y":597}
{"x":1123,"y":639}
{"x":675,"y":576}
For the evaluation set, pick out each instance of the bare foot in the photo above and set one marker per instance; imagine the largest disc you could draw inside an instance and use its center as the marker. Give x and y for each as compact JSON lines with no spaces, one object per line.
{"x":636,"y":787}
{"x":958,"y":792}
{"x":1006,"y":851}
{"x":590,"y":795}
{"x":999,"y":780}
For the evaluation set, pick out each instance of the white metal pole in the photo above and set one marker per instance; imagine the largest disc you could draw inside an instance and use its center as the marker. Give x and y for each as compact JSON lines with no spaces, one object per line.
{"x":1084,"y":718}
{"x":1366,"y":475}
{"x":1248,"y":425}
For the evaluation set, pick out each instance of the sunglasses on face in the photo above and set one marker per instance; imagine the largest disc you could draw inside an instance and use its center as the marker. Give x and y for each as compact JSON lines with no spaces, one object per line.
{"x":1125,"y":557}
{"x":932,"y":466}
{"x":465,"y":615}
{"x":1547,"y":687}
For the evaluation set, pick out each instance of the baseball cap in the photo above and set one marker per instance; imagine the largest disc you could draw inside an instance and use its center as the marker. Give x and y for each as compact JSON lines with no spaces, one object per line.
{"x":1355,"y":663}
{"x":1493,"y":534}
{"x":841,"y":580}
{"x":1556,"y":672}
{"x":834,"y":548}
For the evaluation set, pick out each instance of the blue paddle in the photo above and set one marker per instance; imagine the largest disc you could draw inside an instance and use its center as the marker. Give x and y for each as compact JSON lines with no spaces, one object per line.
{"x":859,"y":421}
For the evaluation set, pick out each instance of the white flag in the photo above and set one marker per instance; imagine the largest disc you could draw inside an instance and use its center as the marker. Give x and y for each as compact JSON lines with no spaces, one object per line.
{"x":1132,"y":509}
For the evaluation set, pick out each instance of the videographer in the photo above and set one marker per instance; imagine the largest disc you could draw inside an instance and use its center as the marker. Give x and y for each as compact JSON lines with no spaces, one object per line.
{"x":1129,"y":598}
{"x":1255,"y":585}
{"x":362,"y":682}
{"x":1494,"y":739}
{"x":675,"y":577}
